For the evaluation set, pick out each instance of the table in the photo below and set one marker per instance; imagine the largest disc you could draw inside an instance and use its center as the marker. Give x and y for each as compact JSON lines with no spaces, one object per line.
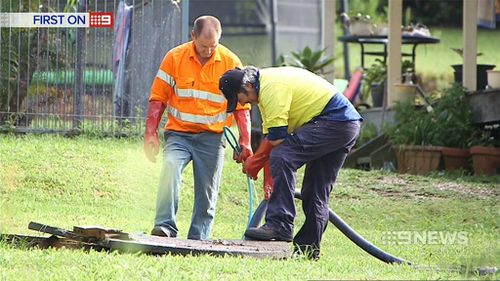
{"x":383,"y":40}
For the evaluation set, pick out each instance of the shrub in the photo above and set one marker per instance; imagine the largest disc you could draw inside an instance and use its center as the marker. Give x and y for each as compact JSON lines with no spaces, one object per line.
{"x":314,"y":61}
{"x":449,"y":124}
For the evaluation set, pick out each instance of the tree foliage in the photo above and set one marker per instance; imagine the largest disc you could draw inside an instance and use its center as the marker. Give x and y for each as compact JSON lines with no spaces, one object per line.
{"x":430,"y":13}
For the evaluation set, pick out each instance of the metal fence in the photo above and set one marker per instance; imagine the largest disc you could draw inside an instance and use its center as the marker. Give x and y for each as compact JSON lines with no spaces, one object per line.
{"x":98,"y":79}
{"x":64,"y":79}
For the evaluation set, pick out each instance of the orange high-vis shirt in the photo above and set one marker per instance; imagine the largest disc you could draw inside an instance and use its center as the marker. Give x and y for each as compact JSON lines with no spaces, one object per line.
{"x":190,"y":92}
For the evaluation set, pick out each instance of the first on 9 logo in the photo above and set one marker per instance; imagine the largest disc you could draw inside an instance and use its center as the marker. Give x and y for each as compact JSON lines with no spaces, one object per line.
{"x":101,"y":19}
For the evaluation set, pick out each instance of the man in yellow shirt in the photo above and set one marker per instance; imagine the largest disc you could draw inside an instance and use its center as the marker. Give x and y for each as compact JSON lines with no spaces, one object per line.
{"x":307,"y":122}
{"x":186,"y":87}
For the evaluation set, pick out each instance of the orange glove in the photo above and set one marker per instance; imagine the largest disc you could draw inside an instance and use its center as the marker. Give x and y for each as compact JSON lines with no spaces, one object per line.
{"x":151,"y":141}
{"x":254,"y":163}
{"x":244,"y":126}
{"x":268,"y":182}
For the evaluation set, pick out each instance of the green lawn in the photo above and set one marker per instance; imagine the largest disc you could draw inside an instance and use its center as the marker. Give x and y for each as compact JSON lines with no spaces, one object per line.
{"x":80,"y":181}
{"x":432,"y":61}
{"x":436,"y":59}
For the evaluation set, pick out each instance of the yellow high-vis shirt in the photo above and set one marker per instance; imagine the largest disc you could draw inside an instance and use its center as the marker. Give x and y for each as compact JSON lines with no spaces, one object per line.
{"x":291,"y":96}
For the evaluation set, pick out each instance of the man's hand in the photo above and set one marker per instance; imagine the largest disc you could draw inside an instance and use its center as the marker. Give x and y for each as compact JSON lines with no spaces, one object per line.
{"x":151,"y":148}
{"x":151,"y":141}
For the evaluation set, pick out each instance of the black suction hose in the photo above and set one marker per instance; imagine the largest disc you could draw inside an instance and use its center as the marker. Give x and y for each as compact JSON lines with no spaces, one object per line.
{"x":361,"y":242}
{"x":369,"y":247}
{"x":343,"y":227}
{"x":364,"y":244}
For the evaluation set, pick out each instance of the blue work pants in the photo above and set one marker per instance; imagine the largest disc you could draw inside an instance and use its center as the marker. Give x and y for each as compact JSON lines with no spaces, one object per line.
{"x":322,"y":146}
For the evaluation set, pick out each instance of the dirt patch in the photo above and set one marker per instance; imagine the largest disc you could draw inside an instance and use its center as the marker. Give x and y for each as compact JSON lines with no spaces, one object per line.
{"x":347,"y":196}
{"x":10,"y":179}
{"x":392,"y":181}
{"x":480,"y":192}
{"x":99,"y":193}
{"x":390,"y":186}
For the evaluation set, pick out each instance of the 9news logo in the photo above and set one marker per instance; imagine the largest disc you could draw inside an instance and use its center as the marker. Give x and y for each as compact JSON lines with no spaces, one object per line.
{"x":100,"y":19}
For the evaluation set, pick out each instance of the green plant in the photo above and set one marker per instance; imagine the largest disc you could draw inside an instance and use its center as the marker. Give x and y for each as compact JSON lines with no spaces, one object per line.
{"x":452,"y":114}
{"x":415,"y":126}
{"x":485,"y":137}
{"x":356,"y":17}
{"x":377,"y":74}
{"x":377,"y":9}
{"x":314,"y":61}
{"x":460,"y":52}
{"x":367,"y":133}
{"x":447,"y":125}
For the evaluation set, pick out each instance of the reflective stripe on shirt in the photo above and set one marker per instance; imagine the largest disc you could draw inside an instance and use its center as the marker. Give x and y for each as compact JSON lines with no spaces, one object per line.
{"x":166,"y":78}
{"x":189,"y":93}
{"x":203,"y":95}
{"x":199,"y":119}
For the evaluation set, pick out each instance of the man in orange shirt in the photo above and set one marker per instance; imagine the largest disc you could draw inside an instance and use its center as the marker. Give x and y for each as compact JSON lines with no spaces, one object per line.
{"x":187,"y":88}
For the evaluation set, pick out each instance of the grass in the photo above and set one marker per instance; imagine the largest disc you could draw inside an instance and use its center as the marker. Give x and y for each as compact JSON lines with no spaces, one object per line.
{"x":433,"y":61}
{"x":81,"y":181}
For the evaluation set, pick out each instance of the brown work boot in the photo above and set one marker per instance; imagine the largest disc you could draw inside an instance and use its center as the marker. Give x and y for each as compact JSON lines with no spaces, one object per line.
{"x":265,"y":233}
{"x":162,"y":231}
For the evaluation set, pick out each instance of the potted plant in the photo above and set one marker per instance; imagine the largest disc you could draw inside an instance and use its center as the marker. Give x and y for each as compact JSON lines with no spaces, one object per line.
{"x":453,"y":128}
{"x":481,"y":72}
{"x":358,"y":24}
{"x":412,"y":138}
{"x":421,"y":138}
{"x":485,"y":152}
{"x":375,"y":78}
{"x":374,"y":83}
{"x":407,"y":90}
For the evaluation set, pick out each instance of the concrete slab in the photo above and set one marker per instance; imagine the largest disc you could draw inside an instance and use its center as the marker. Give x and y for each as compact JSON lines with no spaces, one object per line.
{"x":175,"y":246}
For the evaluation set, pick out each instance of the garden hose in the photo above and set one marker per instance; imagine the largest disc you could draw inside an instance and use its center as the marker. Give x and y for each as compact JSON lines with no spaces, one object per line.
{"x":231,"y":139}
{"x":369,"y":247}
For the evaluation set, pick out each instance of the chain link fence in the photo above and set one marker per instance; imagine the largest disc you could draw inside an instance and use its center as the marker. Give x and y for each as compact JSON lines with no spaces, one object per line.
{"x":97,"y":80}
{"x":83,"y":79}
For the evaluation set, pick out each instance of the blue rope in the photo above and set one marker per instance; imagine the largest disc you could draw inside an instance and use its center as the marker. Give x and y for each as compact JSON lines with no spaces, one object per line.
{"x":231,"y":139}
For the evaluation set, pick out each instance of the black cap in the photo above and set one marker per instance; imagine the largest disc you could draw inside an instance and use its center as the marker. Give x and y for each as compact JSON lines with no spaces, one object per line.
{"x":230,"y":85}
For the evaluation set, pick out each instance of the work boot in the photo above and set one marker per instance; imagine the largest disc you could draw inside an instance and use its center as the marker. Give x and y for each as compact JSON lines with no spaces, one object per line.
{"x":162,"y":231}
{"x":265,"y":233}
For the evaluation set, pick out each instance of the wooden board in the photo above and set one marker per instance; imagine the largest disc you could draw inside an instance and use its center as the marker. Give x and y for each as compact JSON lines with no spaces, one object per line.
{"x":42,"y":242}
